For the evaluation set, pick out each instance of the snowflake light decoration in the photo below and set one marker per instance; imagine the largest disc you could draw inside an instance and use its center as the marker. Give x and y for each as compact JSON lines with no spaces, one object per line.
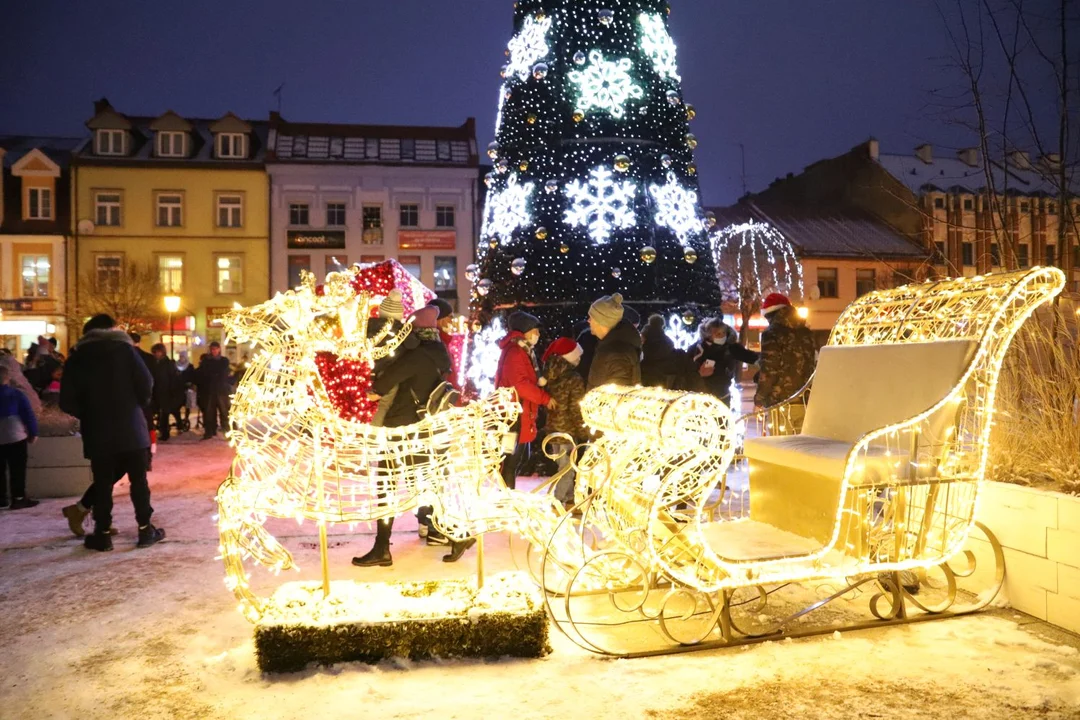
{"x":602,"y":204}
{"x":528,"y":47}
{"x":676,"y":208}
{"x":658,"y":45}
{"x":484,"y":357}
{"x":507,"y":210}
{"x":605,"y":84}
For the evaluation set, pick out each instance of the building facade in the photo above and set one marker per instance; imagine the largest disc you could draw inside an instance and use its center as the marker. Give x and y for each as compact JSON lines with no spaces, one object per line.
{"x":35,"y":226}
{"x":343,"y":194}
{"x":180,"y":200}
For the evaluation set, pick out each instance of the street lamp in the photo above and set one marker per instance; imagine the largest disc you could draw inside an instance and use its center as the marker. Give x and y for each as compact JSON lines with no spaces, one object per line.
{"x":172,"y":306}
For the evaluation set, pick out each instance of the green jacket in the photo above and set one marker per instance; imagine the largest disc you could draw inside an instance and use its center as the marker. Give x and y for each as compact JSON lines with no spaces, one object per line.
{"x":788,"y":358}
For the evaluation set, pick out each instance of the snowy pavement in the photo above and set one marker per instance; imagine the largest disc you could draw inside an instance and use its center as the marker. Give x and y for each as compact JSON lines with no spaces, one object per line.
{"x":154,"y":634}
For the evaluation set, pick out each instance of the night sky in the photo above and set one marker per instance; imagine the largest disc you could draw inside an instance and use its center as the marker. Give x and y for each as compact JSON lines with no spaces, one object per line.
{"x":794,"y":81}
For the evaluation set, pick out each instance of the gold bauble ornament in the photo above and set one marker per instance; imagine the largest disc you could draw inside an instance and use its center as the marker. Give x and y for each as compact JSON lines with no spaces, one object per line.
{"x":691,"y":169}
{"x":691,"y":111}
{"x":541,"y":233}
{"x":578,"y":116}
{"x":493,"y":243}
{"x":622,"y":163}
{"x":531,"y":118}
{"x":688,"y":318}
{"x":690,"y":255}
{"x":691,"y":141}
{"x":564,"y":248}
{"x":648,"y":255}
{"x":523,"y":165}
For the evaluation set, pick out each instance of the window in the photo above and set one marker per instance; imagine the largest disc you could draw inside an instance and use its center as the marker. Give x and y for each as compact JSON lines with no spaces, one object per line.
{"x":444,"y":216}
{"x":39,"y":205}
{"x":170,"y":144}
{"x":109,"y":142}
{"x":865,"y":281}
{"x":230,"y":274}
{"x":170,"y":209}
{"x":372,"y":225}
{"x":1024,"y":207}
{"x":1023,"y":256}
{"x":446,"y":275}
{"x":107,"y":270}
{"x":1051,"y":209}
{"x":408,"y":149}
{"x":967,"y":253}
{"x":410,"y":216}
{"x":371,"y":259}
{"x":939,"y":203}
{"x":231,"y":145}
{"x":107,"y":209}
{"x":442,"y":150}
{"x":171,"y":274}
{"x":298,"y":263}
{"x":371,"y":149}
{"x":335,"y":214}
{"x":1051,"y":255}
{"x":35,"y":275}
{"x":995,"y":255}
{"x":230,"y":211}
{"x":940,"y":246}
{"x":1076,"y":257}
{"x":336,"y":263}
{"x":827,"y":282}
{"x":969,"y":204}
{"x":412,"y":264}
{"x":298,"y":214}
{"x":901,"y":278}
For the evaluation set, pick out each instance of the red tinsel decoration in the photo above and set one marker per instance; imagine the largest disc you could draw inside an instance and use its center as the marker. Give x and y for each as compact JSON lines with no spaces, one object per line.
{"x":347,"y":383}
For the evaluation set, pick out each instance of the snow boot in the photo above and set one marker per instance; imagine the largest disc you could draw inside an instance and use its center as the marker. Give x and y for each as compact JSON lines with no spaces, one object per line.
{"x":457,"y":549}
{"x":76,"y":515}
{"x":24,"y":503}
{"x":150,"y":535}
{"x":379,"y":555}
{"x":98,"y":541}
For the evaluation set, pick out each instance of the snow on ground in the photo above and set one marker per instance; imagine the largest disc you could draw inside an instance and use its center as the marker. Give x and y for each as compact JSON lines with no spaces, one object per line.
{"x":154,"y":634}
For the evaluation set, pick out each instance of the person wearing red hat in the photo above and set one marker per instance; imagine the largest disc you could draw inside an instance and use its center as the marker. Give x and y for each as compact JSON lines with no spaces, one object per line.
{"x":788,"y":356}
{"x":563,"y":382}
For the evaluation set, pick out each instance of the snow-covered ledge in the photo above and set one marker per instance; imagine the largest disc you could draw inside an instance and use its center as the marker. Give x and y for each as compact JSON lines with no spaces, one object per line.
{"x":56,"y":468}
{"x":1039,"y":531}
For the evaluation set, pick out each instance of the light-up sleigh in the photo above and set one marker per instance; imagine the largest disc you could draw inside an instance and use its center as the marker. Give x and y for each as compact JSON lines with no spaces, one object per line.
{"x":858,"y":493}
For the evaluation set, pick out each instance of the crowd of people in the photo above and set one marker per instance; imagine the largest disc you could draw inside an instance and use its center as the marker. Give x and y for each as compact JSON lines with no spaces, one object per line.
{"x":124,"y":396}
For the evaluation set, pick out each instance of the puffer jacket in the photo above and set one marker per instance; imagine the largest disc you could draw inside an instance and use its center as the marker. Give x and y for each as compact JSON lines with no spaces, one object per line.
{"x":17,"y":421}
{"x":566,"y":386}
{"x":617,"y":360}
{"x":107,"y":386}
{"x":517,"y":369}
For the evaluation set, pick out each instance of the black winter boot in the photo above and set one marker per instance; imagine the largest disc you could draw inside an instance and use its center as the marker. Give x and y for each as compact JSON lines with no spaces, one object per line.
{"x":101,"y":542}
{"x":457,"y":549}
{"x":379,"y":555}
{"x":150,"y":535}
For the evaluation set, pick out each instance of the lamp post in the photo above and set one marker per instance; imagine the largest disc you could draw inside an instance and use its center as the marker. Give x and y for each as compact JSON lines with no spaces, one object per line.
{"x":172,"y":306}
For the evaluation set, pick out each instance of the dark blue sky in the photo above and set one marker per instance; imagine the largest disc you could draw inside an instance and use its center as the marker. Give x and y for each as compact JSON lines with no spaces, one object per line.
{"x":794,"y":81}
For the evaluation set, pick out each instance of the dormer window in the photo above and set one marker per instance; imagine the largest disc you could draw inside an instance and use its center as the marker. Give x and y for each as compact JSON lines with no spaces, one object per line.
{"x":171,"y":144}
{"x":109,"y":142}
{"x":232,"y":145}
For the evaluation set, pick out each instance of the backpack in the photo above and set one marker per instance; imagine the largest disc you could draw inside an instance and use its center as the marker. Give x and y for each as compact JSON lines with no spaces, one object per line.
{"x":444,"y":396}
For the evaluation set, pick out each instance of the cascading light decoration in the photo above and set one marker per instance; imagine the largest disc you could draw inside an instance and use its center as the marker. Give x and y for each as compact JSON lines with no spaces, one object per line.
{"x":666,"y":539}
{"x":755,"y":257}
{"x":590,"y":116}
{"x":305,"y":451}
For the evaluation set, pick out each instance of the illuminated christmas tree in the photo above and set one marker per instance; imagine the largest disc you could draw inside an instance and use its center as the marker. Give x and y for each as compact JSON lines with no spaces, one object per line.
{"x":594,"y":188}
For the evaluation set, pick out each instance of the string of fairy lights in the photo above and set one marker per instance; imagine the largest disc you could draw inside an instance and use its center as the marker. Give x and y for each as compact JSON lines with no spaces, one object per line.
{"x":593,"y":169}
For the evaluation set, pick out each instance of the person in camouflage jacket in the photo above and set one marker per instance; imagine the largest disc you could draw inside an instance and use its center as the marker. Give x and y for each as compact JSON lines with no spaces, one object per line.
{"x":564,"y":383}
{"x":788,"y":353}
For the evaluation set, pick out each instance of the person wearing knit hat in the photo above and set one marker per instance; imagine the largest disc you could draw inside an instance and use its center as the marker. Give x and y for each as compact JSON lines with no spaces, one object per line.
{"x":445,"y":309}
{"x":517,"y":369}
{"x":426,"y":318}
{"x":564,"y":383}
{"x":391,"y":308}
{"x":773,"y":302}
{"x":617,"y":359}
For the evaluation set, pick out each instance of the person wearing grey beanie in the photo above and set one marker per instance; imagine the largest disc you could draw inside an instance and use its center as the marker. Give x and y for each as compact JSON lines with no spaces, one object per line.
{"x":617,"y":360}
{"x":391,"y":308}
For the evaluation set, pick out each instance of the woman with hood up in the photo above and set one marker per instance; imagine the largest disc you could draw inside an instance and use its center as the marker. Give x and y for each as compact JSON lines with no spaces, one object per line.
{"x":518,"y":370}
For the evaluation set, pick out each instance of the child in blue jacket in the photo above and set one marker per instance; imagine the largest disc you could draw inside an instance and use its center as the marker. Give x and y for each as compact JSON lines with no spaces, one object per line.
{"x":18,"y":428}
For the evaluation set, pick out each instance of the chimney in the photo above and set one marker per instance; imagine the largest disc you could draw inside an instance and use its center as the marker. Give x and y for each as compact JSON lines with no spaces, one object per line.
{"x":873,"y":148}
{"x":101,"y":106}
{"x":1051,"y":161}
{"x":925,"y":152}
{"x":969,"y":156}
{"x":1020,"y":160}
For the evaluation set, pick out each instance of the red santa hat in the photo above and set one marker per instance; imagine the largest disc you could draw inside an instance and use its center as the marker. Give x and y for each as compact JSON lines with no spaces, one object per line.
{"x":774,"y":302}
{"x":567,"y":348}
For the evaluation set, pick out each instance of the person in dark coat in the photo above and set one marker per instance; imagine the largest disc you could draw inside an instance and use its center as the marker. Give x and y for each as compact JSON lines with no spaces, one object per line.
{"x":187,"y":383}
{"x":148,"y":411}
{"x":214,"y":381}
{"x":168,"y":393}
{"x":788,"y":353}
{"x":587,"y":341}
{"x":416,"y":372}
{"x":106,"y":386}
{"x":717,"y":356}
{"x":662,"y":364}
{"x":518,"y":370}
{"x":617,"y":360}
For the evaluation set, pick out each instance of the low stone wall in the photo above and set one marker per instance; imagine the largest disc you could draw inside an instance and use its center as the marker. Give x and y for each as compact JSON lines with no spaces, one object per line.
{"x":1039,"y":531}
{"x":56,"y":468}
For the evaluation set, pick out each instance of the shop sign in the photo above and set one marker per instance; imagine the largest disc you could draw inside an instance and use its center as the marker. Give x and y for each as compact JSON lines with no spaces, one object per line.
{"x":316,"y":239}
{"x":427,"y":239}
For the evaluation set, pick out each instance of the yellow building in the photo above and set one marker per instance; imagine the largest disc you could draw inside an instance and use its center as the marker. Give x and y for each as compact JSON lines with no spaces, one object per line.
{"x":179,"y":200}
